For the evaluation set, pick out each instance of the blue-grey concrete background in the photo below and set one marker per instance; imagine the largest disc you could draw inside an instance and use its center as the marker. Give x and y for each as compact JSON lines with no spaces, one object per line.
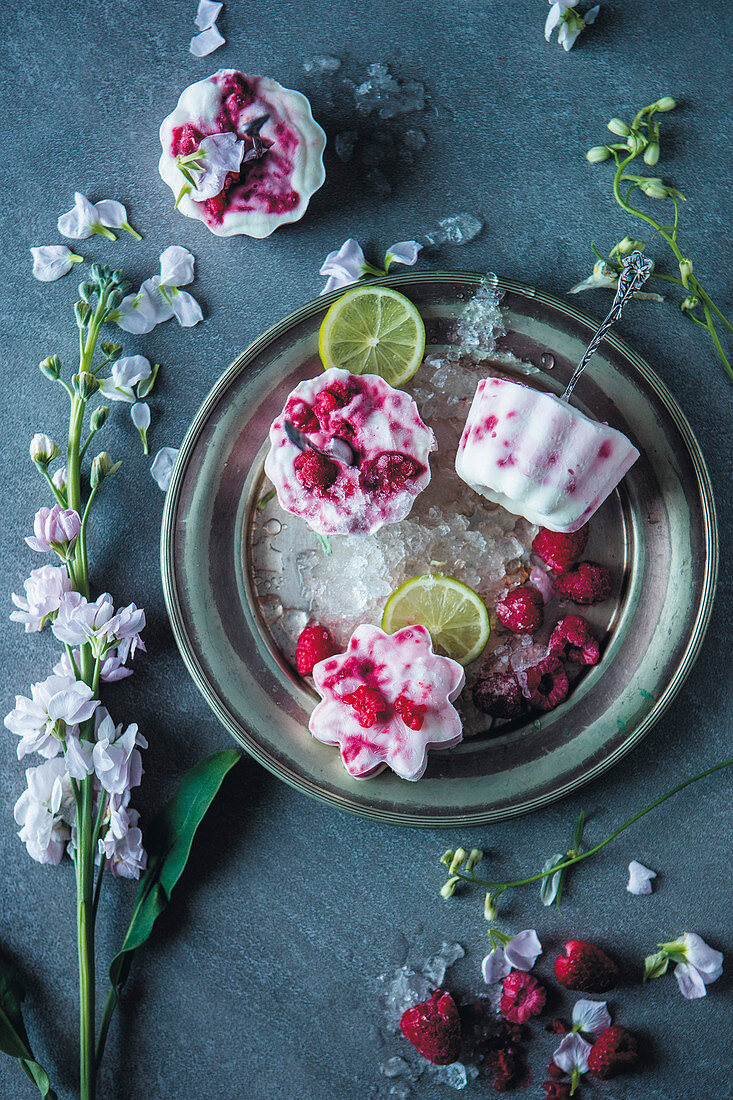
{"x":260,"y":981}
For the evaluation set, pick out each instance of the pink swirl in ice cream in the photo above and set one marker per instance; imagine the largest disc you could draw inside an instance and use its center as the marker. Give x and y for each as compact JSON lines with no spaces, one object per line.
{"x":386,"y":701}
{"x":282,"y":161}
{"x":539,"y":457}
{"x":384,"y":434}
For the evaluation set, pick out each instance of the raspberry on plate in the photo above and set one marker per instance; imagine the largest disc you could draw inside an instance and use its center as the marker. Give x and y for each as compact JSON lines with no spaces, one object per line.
{"x":559,"y":549}
{"x":521,"y":610}
{"x":522,"y":997}
{"x":546,"y":684}
{"x":585,"y":968}
{"x":585,"y":583}
{"x":499,"y":695}
{"x":314,"y":644}
{"x":434,"y":1028}
{"x":572,"y":641}
{"x":614,"y":1050}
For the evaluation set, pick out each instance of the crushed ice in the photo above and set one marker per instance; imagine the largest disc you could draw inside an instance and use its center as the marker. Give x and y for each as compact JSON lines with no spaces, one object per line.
{"x":456,"y":229}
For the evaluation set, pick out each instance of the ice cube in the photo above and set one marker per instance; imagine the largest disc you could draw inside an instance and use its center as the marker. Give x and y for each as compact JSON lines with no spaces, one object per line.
{"x":402,"y":989}
{"x":455,"y":229}
{"x":436,"y":966}
{"x":454,"y":1075}
{"x":400,"y":1092}
{"x":324,"y":63}
{"x":414,"y":139}
{"x":395,"y":1067}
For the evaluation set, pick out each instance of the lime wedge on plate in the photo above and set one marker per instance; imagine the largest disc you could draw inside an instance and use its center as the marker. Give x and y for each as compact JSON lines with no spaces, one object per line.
{"x":453,"y":613}
{"x":373,"y":330}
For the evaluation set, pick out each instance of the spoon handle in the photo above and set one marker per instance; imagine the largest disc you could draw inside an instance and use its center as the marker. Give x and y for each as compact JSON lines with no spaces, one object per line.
{"x":636,"y":270}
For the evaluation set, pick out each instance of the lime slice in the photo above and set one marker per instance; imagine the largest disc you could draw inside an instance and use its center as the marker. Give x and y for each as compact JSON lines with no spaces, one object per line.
{"x":453,"y":613}
{"x":373,"y":330}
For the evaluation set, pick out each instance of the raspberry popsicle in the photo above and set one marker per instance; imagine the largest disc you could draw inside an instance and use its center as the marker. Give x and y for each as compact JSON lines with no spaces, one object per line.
{"x":386,"y":701}
{"x":539,"y":457}
{"x":363,"y":456}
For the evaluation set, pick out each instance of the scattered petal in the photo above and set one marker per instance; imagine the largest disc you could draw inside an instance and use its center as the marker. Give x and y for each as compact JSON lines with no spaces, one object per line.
{"x":572,"y":1054}
{"x":591,"y":1017}
{"x":186,"y":309}
{"x":690,"y":981}
{"x":640,"y":878}
{"x":592,"y":15}
{"x":523,"y":950}
{"x":343,"y":266}
{"x":176,"y":266}
{"x":51,"y":261}
{"x":140,"y":413}
{"x":495,"y":966}
{"x":206,"y":42}
{"x":207,"y":14}
{"x":162,"y":466}
{"x":79,"y":222}
{"x":404,"y":252}
{"x":706,"y":960}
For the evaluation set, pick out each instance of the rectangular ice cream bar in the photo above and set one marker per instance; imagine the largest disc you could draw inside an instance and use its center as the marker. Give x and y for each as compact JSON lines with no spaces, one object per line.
{"x":539,"y":457}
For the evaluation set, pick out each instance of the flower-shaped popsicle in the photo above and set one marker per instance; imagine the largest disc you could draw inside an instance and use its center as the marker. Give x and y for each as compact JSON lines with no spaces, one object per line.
{"x":386,"y":701}
{"x":376,"y":453}
{"x":279,"y":153}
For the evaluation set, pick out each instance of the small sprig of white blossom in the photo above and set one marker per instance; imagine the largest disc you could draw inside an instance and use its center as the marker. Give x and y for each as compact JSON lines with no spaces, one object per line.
{"x":563,"y":15}
{"x":160,"y":297}
{"x":87,"y":218}
{"x":347,"y":264}
{"x":698,"y":964}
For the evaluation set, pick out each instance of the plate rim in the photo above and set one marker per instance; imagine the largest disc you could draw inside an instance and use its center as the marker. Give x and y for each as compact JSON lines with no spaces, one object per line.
{"x":634,"y":736}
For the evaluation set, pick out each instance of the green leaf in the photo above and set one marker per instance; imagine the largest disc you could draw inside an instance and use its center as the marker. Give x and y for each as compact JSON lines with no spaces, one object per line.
{"x":146,"y":386}
{"x":578,"y":830}
{"x":13,"y":1036}
{"x":168,"y":840}
{"x":552,"y":884}
{"x":655,"y":965}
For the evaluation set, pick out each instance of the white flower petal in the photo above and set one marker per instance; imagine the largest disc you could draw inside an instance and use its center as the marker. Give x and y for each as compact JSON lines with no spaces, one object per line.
{"x":346,"y":262}
{"x":78,"y":222}
{"x":572,"y":1054}
{"x":495,"y":966}
{"x":706,"y":960}
{"x":207,"y":14}
{"x":640,"y":878}
{"x":592,"y":15}
{"x":592,"y":1017}
{"x":222,"y":154}
{"x":162,"y":466}
{"x":206,"y":42}
{"x":140,"y":413}
{"x":404,"y":252}
{"x":176,"y":266}
{"x":110,"y":213}
{"x":51,"y":261}
{"x":690,"y":981}
{"x":186,"y":309}
{"x":553,"y":18}
{"x":523,"y":950}
{"x":335,"y":282}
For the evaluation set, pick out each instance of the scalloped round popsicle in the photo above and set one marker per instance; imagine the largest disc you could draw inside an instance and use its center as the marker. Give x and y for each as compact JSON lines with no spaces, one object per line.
{"x":283,"y":159}
{"x":386,"y":701}
{"x":390,"y":444}
{"x":539,"y":457}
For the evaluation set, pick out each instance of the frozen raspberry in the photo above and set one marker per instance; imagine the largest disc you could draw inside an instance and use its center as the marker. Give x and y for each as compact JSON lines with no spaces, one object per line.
{"x":302,"y":416}
{"x":499,"y":695}
{"x":388,"y":472}
{"x":614,"y":1050}
{"x":585,"y":968}
{"x":522,"y":997}
{"x":572,"y":641}
{"x":505,"y":1056}
{"x":553,"y":1070}
{"x":546,"y":684}
{"x":559,"y":550}
{"x":314,"y":644}
{"x":585,"y":583}
{"x":412,"y":714}
{"x":557,"y":1090}
{"x":504,"y":1065}
{"x":521,"y":610}
{"x":315,"y":471}
{"x":336,"y":396}
{"x":556,"y":1027}
{"x":434,"y":1028}
{"x":185,"y":139}
{"x":368,"y":704}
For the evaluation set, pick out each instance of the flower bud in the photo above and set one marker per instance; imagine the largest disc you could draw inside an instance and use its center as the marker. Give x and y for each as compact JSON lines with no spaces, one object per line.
{"x":51,"y":367}
{"x":458,"y":858}
{"x":96,"y":272}
{"x":43,"y":450}
{"x":490,"y":908}
{"x":635,"y":143}
{"x":690,"y":303}
{"x":626,"y":246}
{"x":448,"y":888}
{"x":85,"y":384}
{"x":475,"y":856}
{"x":83,"y":312}
{"x":685,"y":271}
{"x":111,"y":350}
{"x":666,"y":103}
{"x":86,"y":290}
{"x":651,"y":153}
{"x":598,"y":154}
{"x":59,"y":479}
{"x":98,"y":417}
{"x":447,"y":857}
{"x":618,"y":126}
{"x":102,"y":467}
{"x":654,"y":188}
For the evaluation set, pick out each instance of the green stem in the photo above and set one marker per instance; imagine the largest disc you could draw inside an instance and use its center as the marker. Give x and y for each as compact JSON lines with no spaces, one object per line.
{"x":97,"y":892}
{"x":74,"y":668}
{"x":109,"y":1008}
{"x":81,"y":548}
{"x":716,"y":338}
{"x":60,"y":499}
{"x":85,"y":938}
{"x":603,"y":843}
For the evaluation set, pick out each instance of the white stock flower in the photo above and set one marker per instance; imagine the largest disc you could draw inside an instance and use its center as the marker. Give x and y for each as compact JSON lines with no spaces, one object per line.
{"x":554,"y":17}
{"x":124,"y":630}
{"x":43,"y":591}
{"x":125,"y":854}
{"x":111,"y":669}
{"x":571,"y":24}
{"x":80,"y":620}
{"x":572,"y":1055}
{"x":82,"y":220}
{"x":51,"y":261}
{"x":159,"y":298}
{"x":591,"y":1017}
{"x":404,"y":252}
{"x":58,"y":699}
{"x":206,"y":42}
{"x":605,"y":276}
{"x":207,"y":14}
{"x":344,"y":266}
{"x":520,"y":953}
{"x":78,"y":756}
{"x":117,"y":760}
{"x":54,"y":529}
{"x":162,"y":466}
{"x":640,"y":878}
{"x":222,"y":154}
{"x":698,"y":964}
{"x":44,"y":811}
{"x":126,"y":373}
